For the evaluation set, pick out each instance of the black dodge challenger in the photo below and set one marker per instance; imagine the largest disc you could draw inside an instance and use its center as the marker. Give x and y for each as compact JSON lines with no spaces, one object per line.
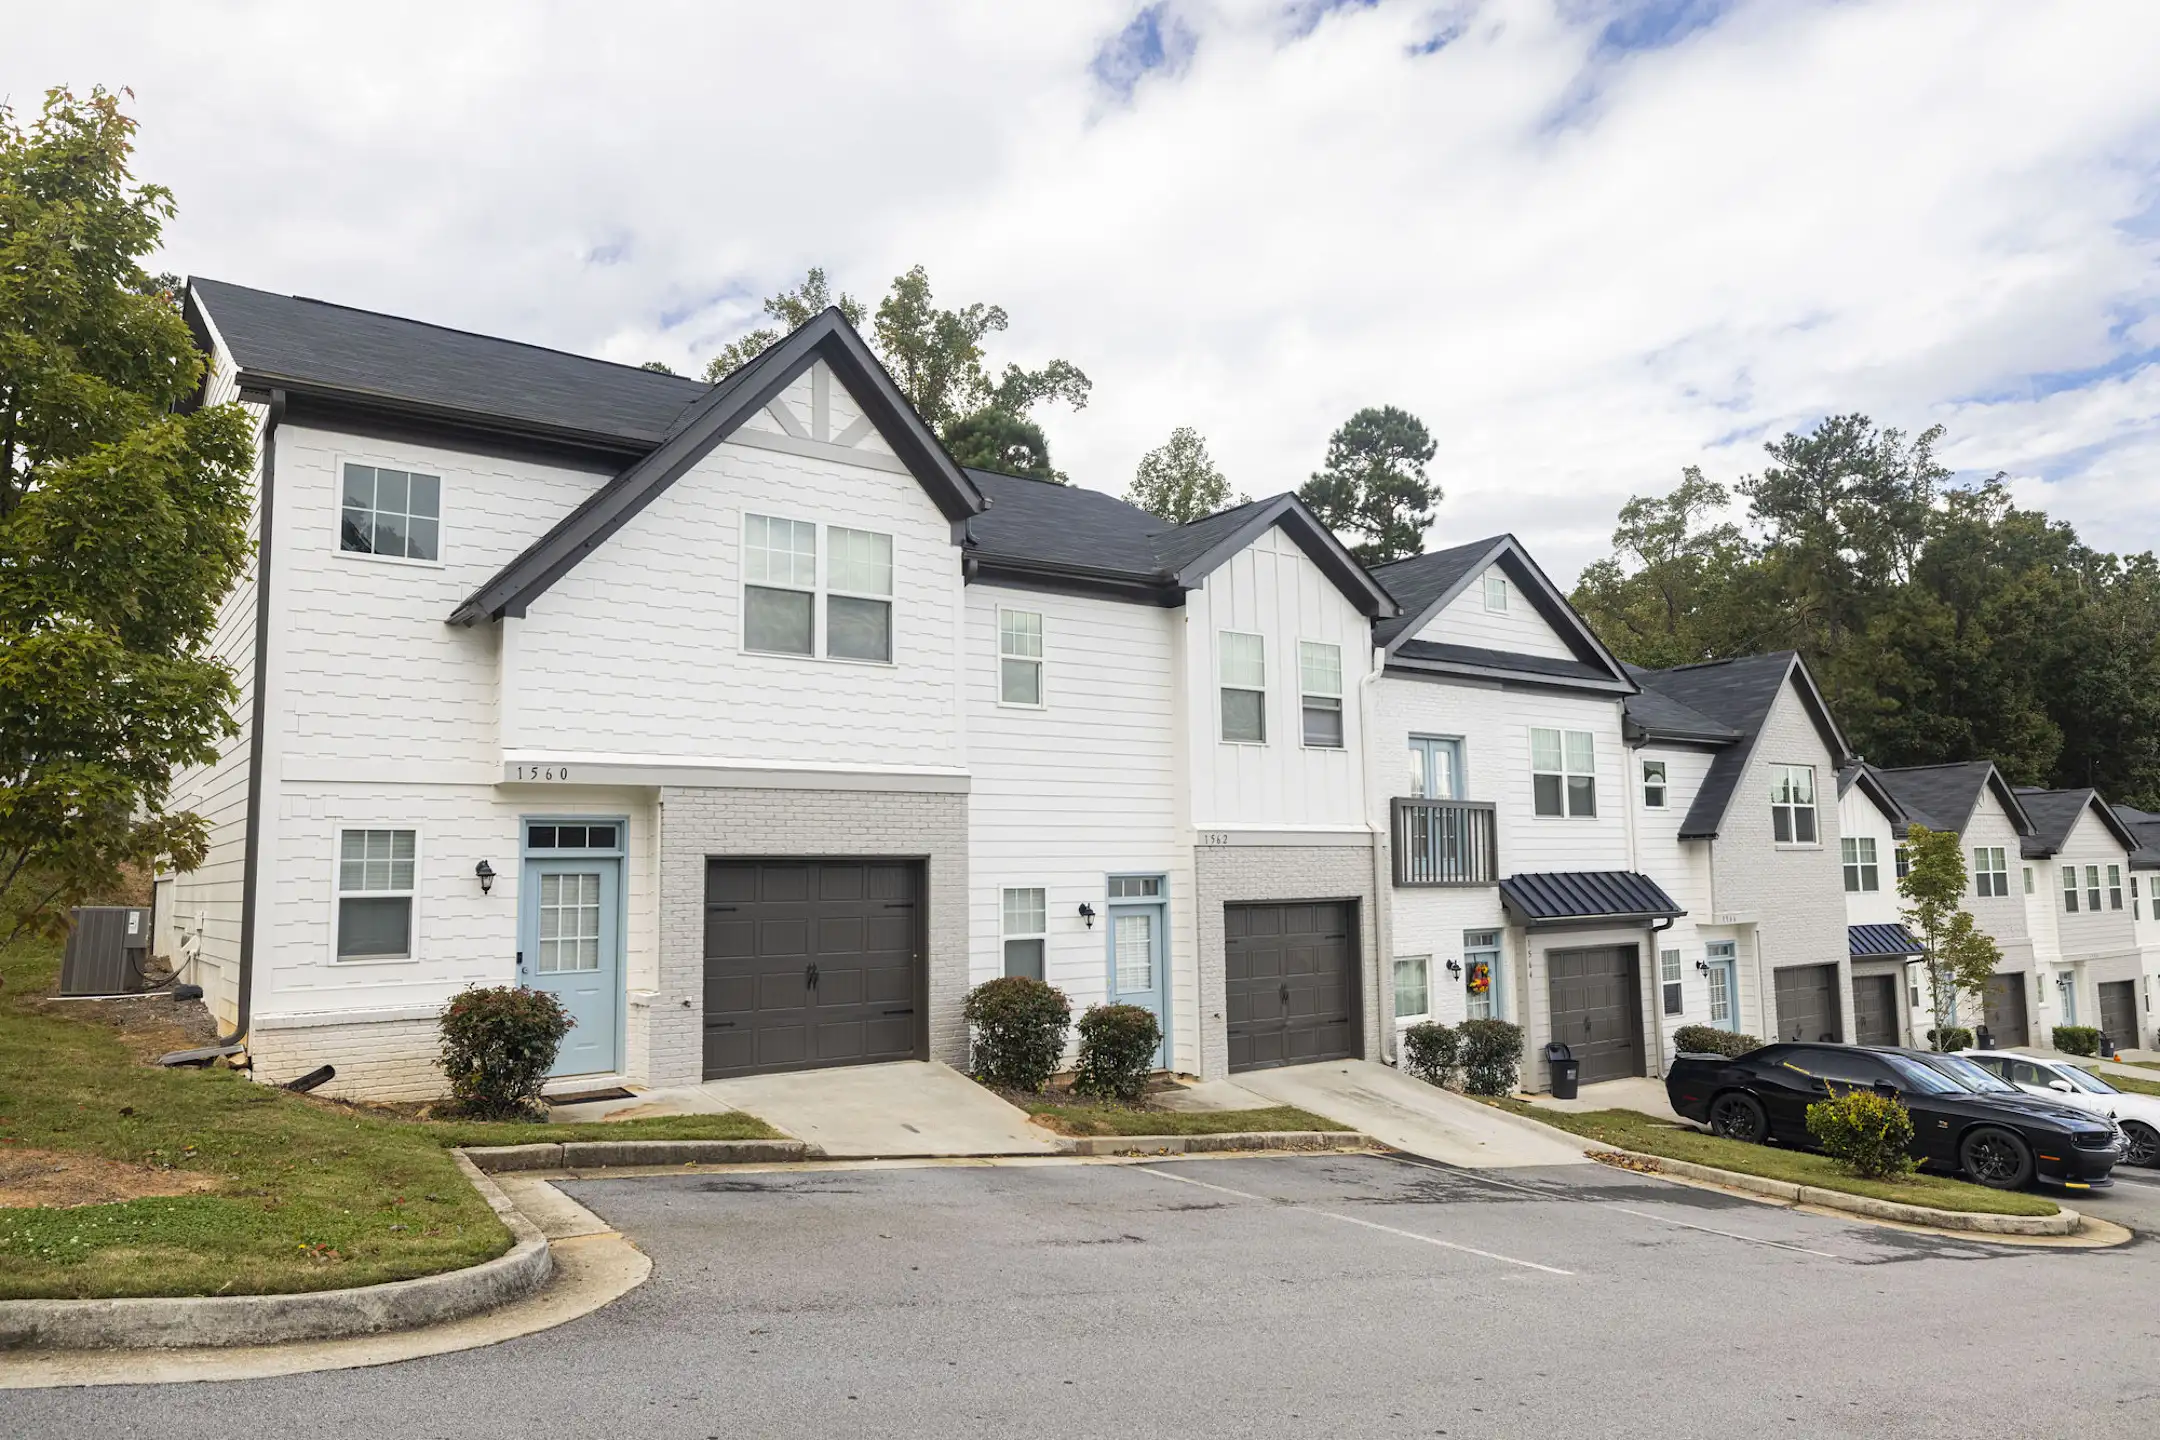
{"x":1995,"y":1134}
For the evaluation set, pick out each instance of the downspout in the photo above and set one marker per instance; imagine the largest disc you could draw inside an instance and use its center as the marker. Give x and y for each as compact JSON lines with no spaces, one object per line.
{"x":259,"y":709}
{"x":1383,"y":880}
{"x":1657,"y":1004}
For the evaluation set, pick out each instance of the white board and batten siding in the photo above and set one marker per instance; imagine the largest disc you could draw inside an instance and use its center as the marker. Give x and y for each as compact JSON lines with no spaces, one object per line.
{"x":1682,"y":869}
{"x":1860,"y":818}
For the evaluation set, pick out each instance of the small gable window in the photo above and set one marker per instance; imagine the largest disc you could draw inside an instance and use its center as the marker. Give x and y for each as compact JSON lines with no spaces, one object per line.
{"x":1496,"y":592}
{"x":391,"y":512}
{"x":1653,"y":784}
{"x":1792,"y":804}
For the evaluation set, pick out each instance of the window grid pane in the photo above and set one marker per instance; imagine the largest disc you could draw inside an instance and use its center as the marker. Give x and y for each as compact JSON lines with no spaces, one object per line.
{"x":1020,"y":634}
{"x":1581,"y":753}
{"x":780,"y":552}
{"x":862,"y":561}
{"x":1320,"y":668}
{"x":1243,"y":660}
{"x":1026,"y":912}
{"x":390,"y":512}
{"x":1545,"y":750}
{"x":1134,"y":943}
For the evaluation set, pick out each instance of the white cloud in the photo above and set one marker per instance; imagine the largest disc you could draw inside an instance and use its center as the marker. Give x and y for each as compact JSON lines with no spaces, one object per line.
{"x":1584,"y":267}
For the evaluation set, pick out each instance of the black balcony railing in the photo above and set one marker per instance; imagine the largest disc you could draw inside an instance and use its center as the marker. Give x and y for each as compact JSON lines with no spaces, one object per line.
{"x":1445,"y":842}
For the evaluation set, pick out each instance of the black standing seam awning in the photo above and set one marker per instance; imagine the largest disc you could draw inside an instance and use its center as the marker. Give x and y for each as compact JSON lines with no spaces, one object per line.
{"x":1575,"y":897}
{"x":1881,"y":942}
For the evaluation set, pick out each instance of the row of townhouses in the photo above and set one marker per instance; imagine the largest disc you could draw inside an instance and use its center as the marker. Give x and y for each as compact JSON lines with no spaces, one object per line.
{"x":749,"y":724}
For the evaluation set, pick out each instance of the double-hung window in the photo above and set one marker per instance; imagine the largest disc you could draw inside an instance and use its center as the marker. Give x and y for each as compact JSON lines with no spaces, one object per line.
{"x":1861,"y":873}
{"x":1243,"y":673}
{"x":1413,"y":991}
{"x":1792,"y":804}
{"x":780,"y":585}
{"x":1320,"y":693}
{"x":2092,"y":888}
{"x":858,"y":595}
{"x":1653,"y":784}
{"x":2029,"y":882}
{"x":2114,"y":887}
{"x":1563,"y":772}
{"x":1991,"y":872}
{"x":1669,"y":980}
{"x":1482,"y":993}
{"x":1026,"y":929}
{"x":2070,"y":889}
{"x":1496,"y":588}
{"x":391,"y":512}
{"x":1020,"y":657}
{"x":375,"y":894}
{"x":1904,"y":862}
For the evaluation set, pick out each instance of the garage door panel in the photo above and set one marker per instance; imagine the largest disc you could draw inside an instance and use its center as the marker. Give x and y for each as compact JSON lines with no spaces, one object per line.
{"x":1807,"y":1003}
{"x":841,"y":935}
{"x":1595,"y":1010}
{"x":2003,"y":1010}
{"x":782,"y":884}
{"x":1290,"y":983}
{"x":890,"y":930}
{"x":840,"y":883}
{"x":2118,"y":1012}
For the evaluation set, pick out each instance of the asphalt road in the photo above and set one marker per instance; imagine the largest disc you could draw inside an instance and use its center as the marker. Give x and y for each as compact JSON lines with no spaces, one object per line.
{"x":1287,"y":1296}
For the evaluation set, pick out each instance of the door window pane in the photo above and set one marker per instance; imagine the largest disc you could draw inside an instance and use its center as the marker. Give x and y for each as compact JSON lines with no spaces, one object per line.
{"x":569,"y":935}
{"x":1482,"y":975}
{"x":1134,"y":944}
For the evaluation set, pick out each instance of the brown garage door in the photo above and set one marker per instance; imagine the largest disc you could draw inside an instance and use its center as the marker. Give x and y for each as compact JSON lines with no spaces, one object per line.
{"x":1874,"y":1009}
{"x":811,"y":963}
{"x":1290,"y":988}
{"x":2003,"y":1011}
{"x":1597,"y":1009}
{"x":1807,"y":1007}
{"x":2118,"y":1012}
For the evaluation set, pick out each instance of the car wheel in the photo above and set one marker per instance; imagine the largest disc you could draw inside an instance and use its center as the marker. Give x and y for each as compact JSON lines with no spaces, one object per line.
{"x":2144,"y":1144}
{"x":1738,"y":1117}
{"x":1996,"y":1158}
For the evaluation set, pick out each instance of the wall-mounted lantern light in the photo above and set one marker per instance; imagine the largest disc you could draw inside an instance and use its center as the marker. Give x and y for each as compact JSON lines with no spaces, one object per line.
{"x":1703,"y":965}
{"x":1454,"y":968}
{"x":1087,"y":913}
{"x":486,"y":874}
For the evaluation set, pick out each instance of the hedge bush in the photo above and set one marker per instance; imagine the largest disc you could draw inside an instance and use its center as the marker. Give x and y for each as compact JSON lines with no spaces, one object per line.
{"x":1432,"y":1052}
{"x":1870,"y":1134}
{"x":498,"y":1044}
{"x":1491,"y":1056}
{"x":1709,"y":1040}
{"x":1117,"y":1052}
{"x":1956,"y":1037}
{"x":1016,"y":1028}
{"x":2077,"y":1039}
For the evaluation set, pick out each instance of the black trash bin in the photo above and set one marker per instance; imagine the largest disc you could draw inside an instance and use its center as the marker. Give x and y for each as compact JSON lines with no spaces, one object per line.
{"x":1566,"y":1070}
{"x":1983,"y":1039}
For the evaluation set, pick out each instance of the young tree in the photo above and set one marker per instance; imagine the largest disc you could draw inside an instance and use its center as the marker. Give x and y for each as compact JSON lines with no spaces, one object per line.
{"x":1178,"y":481}
{"x":1373,"y":490}
{"x":1958,"y":955}
{"x":793,"y":309}
{"x":123,"y":522}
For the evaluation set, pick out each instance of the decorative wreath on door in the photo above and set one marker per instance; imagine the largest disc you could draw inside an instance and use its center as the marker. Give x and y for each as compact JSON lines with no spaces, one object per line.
{"x":1479,"y":977}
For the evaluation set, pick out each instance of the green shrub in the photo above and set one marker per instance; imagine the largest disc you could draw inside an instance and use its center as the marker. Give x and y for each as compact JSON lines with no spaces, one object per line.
{"x":1491,"y":1056}
{"x":1709,"y":1040}
{"x":1432,"y":1052}
{"x":1956,"y":1037}
{"x":1870,"y":1134}
{"x":2077,"y":1039}
{"x":498,"y":1045}
{"x":1117,"y":1052}
{"x":1017,"y":1031}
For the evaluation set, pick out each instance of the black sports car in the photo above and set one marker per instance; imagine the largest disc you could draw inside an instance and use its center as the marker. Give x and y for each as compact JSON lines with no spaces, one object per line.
{"x":2002,"y":1140}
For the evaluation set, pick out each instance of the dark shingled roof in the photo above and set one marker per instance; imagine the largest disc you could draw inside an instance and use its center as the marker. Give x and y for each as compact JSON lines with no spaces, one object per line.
{"x":2146,"y":827}
{"x":1943,"y":797}
{"x":1423,"y":579}
{"x":1737,"y":694}
{"x":1426,"y":584}
{"x":2055,"y":814}
{"x":1880,"y":942}
{"x":1562,"y":897}
{"x":316,"y":347}
{"x":1471,"y":655}
{"x":1657,"y":716}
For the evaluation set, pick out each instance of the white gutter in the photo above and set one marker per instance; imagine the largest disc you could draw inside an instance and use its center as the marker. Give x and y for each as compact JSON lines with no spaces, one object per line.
{"x":1383,"y":877}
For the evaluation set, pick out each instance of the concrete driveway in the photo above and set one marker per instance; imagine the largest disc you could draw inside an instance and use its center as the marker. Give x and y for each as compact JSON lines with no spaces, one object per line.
{"x":1412,"y":1115}
{"x":906,"y":1108}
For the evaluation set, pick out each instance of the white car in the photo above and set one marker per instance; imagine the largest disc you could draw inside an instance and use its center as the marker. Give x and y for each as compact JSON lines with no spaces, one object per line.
{"x":2138,"y":1115}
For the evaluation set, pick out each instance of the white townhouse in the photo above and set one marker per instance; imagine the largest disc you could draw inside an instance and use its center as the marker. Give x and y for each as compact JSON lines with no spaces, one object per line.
{"x":1889,"y":989}
{"x":745,"y":721}
{"x":2136,"y":1030}
{"x":2082,"y":905}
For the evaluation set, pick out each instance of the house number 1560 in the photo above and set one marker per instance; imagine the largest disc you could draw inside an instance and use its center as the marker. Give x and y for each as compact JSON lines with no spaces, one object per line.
{"x":542,"y":772}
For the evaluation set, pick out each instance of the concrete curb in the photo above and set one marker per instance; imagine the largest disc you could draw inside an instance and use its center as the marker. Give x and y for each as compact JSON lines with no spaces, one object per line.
{"x":2064,"y":1221}
{"x":601,"y":1154}
{"x":1203,"y":1144}
{"x":228,"y":1320}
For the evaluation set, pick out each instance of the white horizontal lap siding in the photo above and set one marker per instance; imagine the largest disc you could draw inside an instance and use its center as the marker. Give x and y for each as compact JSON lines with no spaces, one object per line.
{"x":2003,"y":918}
{"x":1860,"y":818}
{"x":1518,"y":629}
{"x":1273,"y":589}
{"x":639,"y":649}
{"x":1432,"y":922}
{"x":2089,"y":933}
{"x":1065,"y":795}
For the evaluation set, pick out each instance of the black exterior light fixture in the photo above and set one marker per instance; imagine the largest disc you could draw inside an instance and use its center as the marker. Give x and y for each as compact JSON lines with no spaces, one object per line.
{"x":486,"y":875}
{"x":1087,"y":913}
{"x":1454,"y":967}
{"x":1703,"y":965}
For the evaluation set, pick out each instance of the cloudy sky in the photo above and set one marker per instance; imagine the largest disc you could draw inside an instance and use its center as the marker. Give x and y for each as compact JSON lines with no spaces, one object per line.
{"x":1587,"y":241}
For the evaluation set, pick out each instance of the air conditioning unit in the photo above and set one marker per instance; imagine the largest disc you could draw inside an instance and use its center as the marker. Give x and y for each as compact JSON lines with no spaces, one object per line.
{"x":107,"y":951}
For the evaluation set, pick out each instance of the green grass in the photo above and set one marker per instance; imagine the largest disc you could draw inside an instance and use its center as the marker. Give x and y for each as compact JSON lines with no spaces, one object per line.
{"x":2130,"y":1083}
{"x":1633,"y":1130}
{"x":307,"y":1195}
{"x":1072,"y":1116}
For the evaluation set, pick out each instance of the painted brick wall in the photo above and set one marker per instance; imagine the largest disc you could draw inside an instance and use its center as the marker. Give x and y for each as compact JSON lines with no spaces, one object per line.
{"x":380,"y":1060}
{"x":705,"y":821}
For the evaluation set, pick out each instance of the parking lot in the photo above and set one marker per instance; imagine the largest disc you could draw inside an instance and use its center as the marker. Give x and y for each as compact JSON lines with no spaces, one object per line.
{"x":1325,"y":1295}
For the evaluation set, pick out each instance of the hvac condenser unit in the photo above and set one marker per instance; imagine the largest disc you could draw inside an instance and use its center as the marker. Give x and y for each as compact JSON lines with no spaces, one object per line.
{"x":107,"y":951}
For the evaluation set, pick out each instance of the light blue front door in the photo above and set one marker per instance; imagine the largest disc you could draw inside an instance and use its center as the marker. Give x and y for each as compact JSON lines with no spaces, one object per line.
{"x":569,"y":946}
{"x":1724,"y":989}
{"x":1137,"y":955}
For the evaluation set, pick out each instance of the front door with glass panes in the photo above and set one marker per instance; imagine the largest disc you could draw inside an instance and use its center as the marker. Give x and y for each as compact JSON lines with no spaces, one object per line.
{"x":1722,"y":958}
{"x":1139,"y":950}
{"x":569,"y":935}
{"x":1484,"y":978}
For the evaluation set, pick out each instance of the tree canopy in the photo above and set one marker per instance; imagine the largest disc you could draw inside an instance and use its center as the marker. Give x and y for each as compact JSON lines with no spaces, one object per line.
{"x":1178,"y":481}
{"x":123,"y":521}
{"x":1373,"y":491}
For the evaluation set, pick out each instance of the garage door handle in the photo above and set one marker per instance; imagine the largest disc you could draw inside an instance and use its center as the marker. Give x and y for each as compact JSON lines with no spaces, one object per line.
{"x":909,"y":1011}
{"x":809,"y":976}
{"x":1286,"y":993}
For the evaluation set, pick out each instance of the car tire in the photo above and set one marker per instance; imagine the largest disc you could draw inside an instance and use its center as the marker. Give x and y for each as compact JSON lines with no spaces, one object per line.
{"x":1739,"y":1116}
{"x":2144,"y":1144}
{"x":1996,"y":1158}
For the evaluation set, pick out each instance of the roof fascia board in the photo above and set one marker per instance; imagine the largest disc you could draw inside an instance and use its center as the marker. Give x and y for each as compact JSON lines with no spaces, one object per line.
{"x":1441,"y":670}
{"x":382,"y":423}
{"x":1825,"y":722}
{"x":1316,"y":540}
{"x":1446,"y":597}
{"x":1072,"y":580}
{"x":474,"y":421}
{"x":2021,"y":821}
{"x":1874,"y":789}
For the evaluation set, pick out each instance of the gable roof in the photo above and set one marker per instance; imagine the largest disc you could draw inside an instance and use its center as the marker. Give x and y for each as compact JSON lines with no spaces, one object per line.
{"x":1943,"y":797}
{"x":1428,"y":584}
{"x":705,"y":424}
{"x":1737,"y":694}
{"x":2055,"y":814}
{"x":2146,"y":826}
{"x":1862,"y":774}
{"x":1653,"y":715}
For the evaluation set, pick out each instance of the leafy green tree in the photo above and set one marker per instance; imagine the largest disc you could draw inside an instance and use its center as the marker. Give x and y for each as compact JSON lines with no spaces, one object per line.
{"x":123,"y":522}
{"x":1004,"y":442}
{"x":792,"y":309}
{"x":1373,"y":490}
{"x":1959,"y":957}
{"x":1677,"y":589}
{"x":1178,"y":481}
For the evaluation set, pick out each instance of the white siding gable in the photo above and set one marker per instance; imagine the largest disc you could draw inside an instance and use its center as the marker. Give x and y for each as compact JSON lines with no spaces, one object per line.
{"x":1518,"y":629}
{"x":1860,"y":818}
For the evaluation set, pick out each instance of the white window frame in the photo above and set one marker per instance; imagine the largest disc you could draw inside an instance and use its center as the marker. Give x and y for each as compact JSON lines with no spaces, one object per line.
{"x":338,"y":894}
{"x":2092,"y":888}
{"x":821,"y":591}
{"x":1670,"y":985}
{"x":1782,"y":776}
{"x":1862,"y":863}
{"x":2029,"y":881}
{"x":337,"y":504}
{"x":1307,"y":694}
{"x":1015,"y":657}
{"x":2114,"y":887}
{"x":1007,"y":933}
{"x":1222,"y":685}
{"x":828,"y":591}
{"x":1991,"y":872}
{"x":2069,"y":875}
{"x":1658,"y":786}
{"x":1568,"y":772}
{"x":1495,"y":589}
{"x":1424,"y":962}
{"x":792,"y":586}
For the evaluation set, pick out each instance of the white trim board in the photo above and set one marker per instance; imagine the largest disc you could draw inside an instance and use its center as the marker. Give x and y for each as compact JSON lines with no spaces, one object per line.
{"x":560,"y":770}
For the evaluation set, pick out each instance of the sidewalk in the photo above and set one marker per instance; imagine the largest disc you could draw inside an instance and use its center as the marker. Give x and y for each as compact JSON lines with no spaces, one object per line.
{"x":1412,"y":1115}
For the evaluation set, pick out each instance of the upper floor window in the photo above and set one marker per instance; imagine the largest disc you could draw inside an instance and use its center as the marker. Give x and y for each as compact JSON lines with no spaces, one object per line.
{"x":2029,"y":882}
{"x":1496,"y":588}
{"x":1903,"y":862}
{"x":2092,"y":887}
{"x":1320,"y":692}
{"x":1861,"y":872}
{"x":1026,"y":930}
{"x":858,"y":595}
{"x":1563,"y":772}
{"x":391,"y":512}
{"x":1436,"y":771}
{"x":1669,"y":980}
{"x":781,"y":593}
{"x":1991,"y":872}
{"x":1243,"y":673}
{"x":375,"y":894}
{"x":2070,"y":889}
{"x":1653,"y":784}
{"x":2114,"y":887}
{"x":1792,"y":804}
{"x":1020,"y":657}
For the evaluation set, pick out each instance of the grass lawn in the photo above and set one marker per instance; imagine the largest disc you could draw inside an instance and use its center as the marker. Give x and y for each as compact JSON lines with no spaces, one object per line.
{"x":2129,"y":1083}
{"x":291,"y":1193}
{"x":1633,"y":1130}
{"x":1071,"y":1115}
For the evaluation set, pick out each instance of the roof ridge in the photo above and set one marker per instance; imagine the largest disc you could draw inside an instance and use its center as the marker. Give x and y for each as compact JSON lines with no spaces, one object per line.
{"x":1486,"y":543}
